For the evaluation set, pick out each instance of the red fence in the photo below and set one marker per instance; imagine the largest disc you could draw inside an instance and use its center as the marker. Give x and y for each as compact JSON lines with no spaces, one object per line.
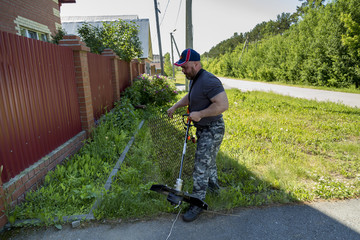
{"x":100,"y":84}
{"x":39,"y":110}
{"x":124,"y":69}
{"x":49,"y":97}
{"x":50,"y":93}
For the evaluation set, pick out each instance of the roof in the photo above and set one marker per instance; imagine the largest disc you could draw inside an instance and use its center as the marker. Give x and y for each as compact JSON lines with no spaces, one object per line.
{"x":67,"y":1}
{"x":107,"y":18}
{"x":72,"y":23}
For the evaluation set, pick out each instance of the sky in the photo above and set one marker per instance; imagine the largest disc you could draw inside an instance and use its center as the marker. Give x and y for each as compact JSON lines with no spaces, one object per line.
{"x":213,"y":20}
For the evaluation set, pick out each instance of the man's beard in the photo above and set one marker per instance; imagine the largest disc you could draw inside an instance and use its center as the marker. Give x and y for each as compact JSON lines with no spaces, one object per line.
{"x":190,"y":76}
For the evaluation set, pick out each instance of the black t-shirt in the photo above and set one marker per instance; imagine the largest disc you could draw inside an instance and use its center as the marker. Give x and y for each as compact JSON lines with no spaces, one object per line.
{"x":204,"y":87}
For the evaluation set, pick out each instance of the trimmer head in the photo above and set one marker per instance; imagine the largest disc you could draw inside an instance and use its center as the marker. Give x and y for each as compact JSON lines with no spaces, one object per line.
{"x":176,"y":197}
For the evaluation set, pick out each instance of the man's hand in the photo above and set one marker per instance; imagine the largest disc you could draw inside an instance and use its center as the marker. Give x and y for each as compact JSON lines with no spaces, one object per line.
{"x":171,"y":111}
{"x":195,"y":116}
{"x":219,"y":104}
{"x":182,"y":103}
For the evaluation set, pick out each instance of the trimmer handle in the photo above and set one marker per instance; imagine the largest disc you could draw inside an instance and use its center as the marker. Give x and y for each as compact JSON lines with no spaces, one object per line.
{"x":188,"y":121}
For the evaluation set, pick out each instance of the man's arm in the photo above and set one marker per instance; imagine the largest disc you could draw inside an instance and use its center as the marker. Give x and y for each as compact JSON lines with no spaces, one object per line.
{"x":219,"y":105}
{"x":181,"y":103}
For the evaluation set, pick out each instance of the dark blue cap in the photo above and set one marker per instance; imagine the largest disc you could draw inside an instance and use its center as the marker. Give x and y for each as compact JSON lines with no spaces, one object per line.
{"x":186,"y":56}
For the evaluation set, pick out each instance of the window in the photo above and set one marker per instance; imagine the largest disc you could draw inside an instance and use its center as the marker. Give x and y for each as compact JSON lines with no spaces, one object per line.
{"x":34,"y":34}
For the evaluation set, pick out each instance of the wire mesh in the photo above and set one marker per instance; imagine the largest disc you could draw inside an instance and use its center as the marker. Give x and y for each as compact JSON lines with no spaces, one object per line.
{"x":168,"y":136}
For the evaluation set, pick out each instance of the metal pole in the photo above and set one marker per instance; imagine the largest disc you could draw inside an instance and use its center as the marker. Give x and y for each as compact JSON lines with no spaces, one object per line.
{"x":158,"y":32}
{"x":189,"y":33}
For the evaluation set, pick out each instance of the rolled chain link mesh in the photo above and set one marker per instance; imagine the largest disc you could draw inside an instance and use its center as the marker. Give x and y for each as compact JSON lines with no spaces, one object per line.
{"x":168,"y":136}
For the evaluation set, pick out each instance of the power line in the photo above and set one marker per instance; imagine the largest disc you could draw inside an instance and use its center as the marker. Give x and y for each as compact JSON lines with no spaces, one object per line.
{"x":178,"y":14}
{"x":165,"y":12}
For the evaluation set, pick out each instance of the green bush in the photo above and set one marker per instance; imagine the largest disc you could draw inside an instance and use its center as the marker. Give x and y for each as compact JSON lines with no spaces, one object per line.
{"x":151,"y":90}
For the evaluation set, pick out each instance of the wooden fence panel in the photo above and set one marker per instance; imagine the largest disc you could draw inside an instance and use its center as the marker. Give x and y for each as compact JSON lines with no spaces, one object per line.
{"x":39,"y":109}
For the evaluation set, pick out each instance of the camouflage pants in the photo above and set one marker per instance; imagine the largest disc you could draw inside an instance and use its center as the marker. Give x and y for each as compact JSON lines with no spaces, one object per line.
{"x":208,"y":143}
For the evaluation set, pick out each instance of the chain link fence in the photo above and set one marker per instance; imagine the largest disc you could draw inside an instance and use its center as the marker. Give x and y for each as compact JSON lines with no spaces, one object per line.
{"x":168,"y":136}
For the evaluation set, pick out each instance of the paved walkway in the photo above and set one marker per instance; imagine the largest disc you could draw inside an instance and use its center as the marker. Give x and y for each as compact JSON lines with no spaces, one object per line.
{"x":350,"y":99}
{"x":321,"y":221}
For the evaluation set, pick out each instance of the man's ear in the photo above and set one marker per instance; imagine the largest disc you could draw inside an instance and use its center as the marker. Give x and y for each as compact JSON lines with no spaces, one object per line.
{"x":197,"y":64}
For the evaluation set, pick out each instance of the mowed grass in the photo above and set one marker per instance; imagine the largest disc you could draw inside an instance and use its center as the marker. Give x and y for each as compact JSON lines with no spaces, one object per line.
{"x":308,"y":149}
{"x":180,"y":78}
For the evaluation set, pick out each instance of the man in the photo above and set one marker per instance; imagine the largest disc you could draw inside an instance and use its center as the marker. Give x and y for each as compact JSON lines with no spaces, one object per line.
{"x":207,"y":101}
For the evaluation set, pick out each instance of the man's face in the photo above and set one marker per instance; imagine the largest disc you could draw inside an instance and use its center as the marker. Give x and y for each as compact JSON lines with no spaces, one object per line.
{"x":190,"y":70}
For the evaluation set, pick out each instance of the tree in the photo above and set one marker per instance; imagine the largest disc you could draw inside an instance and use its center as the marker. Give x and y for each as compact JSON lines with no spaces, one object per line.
{"x":120,"y":36}
{"x":260,"y":31}
{"x":59,"y":34}
{"x":309,"y":3}
{"x":167,"y":65}
{"x":351,"y":38}
{"x":321,"y":49}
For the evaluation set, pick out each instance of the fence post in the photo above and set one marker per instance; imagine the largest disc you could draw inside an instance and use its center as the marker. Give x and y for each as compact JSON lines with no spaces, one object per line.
{"x":114,"y":72}
{"x":80,"y":51}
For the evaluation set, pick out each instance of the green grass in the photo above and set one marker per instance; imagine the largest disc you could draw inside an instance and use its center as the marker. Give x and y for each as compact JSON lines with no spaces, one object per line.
{"x":180,"y":78}
{"x":308,"y":149}
{"x":276,"y":149}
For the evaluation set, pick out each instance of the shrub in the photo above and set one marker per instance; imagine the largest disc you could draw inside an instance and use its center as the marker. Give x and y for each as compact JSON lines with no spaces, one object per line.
{"x":151,"y":90}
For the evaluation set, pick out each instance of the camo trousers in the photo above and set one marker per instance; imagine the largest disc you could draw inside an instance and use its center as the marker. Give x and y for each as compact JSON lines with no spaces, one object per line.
{"x":208,"y":143}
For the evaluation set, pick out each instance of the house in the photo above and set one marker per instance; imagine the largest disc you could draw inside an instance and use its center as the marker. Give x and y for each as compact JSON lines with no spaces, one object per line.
{"x":71,"y":23}
{"x":32,"y":19}
{"x":156,"y":63}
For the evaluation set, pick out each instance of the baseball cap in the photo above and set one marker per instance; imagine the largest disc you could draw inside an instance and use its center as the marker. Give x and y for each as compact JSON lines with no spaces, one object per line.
{"x":186,"y":56}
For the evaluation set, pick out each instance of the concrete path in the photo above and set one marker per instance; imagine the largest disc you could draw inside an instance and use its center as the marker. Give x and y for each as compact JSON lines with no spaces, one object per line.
{"x":321,"y":221}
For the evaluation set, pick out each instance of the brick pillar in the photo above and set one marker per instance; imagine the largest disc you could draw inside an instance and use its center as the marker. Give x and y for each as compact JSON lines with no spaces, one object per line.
{"x":80,"y":51}
{"x":3,"y":218}
{"x":115,"y":79}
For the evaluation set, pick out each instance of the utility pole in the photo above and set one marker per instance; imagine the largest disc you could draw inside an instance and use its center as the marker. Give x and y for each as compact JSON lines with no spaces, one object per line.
{"x":172,"y":51}
{"x":189,"y":33}
{"x":177,"y":49}
{"x":158,"y":32}
{"x":172,"y":54}
{"x":245,"y":44}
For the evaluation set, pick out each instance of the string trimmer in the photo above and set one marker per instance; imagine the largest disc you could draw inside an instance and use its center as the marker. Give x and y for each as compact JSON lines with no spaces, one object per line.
{"x":177,"y":196}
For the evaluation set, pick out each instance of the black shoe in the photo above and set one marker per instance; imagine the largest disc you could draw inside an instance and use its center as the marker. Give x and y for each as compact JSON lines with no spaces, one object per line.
{"x":192,"y":214}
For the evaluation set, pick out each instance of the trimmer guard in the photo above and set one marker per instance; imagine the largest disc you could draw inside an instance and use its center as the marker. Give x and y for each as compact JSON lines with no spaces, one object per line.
{"x":182,"y":195}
